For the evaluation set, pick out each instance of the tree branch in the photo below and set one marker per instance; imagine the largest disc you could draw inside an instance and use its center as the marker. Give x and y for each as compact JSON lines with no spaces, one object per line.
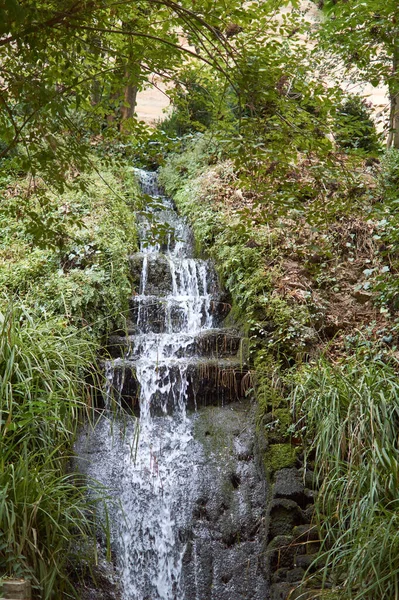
{"x":55,"y":20}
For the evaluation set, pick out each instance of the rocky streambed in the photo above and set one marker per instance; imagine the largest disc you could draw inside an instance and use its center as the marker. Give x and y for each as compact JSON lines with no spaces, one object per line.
{"x":196,"y":510}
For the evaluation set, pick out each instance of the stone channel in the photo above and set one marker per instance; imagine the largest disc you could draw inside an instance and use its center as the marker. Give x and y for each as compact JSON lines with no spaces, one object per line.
{"x":174,"y":444}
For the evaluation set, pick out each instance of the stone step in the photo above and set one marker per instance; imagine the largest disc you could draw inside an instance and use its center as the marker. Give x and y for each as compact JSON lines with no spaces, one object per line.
{"x":205,"y":382}
{"x":15,"y":589}
{"x":211,"y":343}
{"x":153,"y":314}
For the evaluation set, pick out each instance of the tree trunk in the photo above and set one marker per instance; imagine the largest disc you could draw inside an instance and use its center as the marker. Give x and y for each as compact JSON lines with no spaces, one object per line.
{"x":393,"y":136}
{"x":129,"y":97}
{"x":395,"y":124}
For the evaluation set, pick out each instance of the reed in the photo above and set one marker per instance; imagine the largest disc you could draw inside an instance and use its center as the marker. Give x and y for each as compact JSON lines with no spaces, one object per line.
{"x":44,"y":511}
{"x":349,"y":416}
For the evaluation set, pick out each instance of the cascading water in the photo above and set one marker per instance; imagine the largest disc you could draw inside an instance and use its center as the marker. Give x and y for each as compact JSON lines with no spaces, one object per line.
{"x":153,"y":465}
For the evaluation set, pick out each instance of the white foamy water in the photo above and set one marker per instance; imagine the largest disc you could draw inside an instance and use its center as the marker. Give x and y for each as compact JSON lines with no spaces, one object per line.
{"x":149,"y":467}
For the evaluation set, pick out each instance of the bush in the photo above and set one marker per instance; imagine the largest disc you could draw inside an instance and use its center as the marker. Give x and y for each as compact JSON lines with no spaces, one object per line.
{"x":354,"y":126}
{"x":193,"y":100}
{"x":74,"y":265}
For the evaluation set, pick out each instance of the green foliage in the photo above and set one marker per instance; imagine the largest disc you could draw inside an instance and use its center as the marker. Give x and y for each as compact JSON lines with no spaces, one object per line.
{"x":194,"y":98}
{"x":269,"y":320}
{"x":384,"y":280}
{"x":70,"y":70}
{"x":354,"y":126}
{"x":283,"y":113}
{"x":190,"y":160}
{"x":389,"y":178}
{"x":72,"y":266}
{"x":60,"y":291}
{"x":349,"y":415}
{"x":364,"y":34}
{"x":44,"y":511}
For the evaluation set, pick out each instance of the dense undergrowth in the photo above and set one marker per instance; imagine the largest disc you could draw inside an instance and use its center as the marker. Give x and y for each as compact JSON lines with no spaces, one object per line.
{"x":314,"y":285}
{"x":66,"y":253}
{"x":64,"y":282}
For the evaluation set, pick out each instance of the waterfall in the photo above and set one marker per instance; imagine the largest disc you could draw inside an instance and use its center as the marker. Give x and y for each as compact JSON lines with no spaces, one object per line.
{"x":172,"y":356}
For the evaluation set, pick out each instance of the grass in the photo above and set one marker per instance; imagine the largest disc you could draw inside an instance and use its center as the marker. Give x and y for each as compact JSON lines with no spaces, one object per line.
{"x":43,"y":508}
{"x":349,"y":416}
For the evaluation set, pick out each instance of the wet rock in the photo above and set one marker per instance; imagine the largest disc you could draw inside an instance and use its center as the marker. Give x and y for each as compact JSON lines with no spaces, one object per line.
{"x":288,"y":484}
{"x":281,"y":552}
{"x":309,"y":478}
{"x":136,"y":266}
{"x":304,"y":561}
{"x":284,"y":515}
{"x":208,"y":383}
{"x":218,"y":343}
{"x":117,"y":346}
{"x":306,"y":533}
{"x":280,"y":575}
{"x":244,"y":450}
{"x":310,"y":495}
{"x":154,"y":314}
{"x":211,"y":343}
{"x":227,"y":552}
{"x":159,"y":276}
{"x":295,"y":575}
{"x":292,"y":591}
{"x":99,"y":582}
{"x":280,"y":591}
{"x":308,"y":513}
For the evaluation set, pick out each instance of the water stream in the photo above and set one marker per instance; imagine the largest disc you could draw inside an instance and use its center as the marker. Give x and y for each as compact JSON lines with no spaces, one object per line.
{"x":159,"y":471}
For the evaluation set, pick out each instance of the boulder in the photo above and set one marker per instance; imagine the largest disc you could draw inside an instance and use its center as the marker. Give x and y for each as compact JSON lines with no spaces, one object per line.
{"x":281,"y":552}
{"x":288,"y":484}
{"x":284,"y":515}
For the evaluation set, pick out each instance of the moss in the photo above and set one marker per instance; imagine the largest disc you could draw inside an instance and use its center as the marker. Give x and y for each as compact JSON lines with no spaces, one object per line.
{"x":279,"y":456}
{"x":269,"y":388}
{"x":277,"y":429}
{"x":283,"y":415}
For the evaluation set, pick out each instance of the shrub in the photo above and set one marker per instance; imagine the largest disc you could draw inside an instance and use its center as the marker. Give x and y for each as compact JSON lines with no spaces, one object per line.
{"x":354,"y":126}
{"x":86,"y":277}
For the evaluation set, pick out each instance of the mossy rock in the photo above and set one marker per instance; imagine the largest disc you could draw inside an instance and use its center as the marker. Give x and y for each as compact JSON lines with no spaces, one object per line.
{"x":283,"y":415}
{"x":279,"y":456}
{"x":276,"y":425}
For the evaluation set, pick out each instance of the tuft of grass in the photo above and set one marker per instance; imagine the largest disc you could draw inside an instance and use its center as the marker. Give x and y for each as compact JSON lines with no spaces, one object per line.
{"x":349,"y":416}
{"x":44,"y":511}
